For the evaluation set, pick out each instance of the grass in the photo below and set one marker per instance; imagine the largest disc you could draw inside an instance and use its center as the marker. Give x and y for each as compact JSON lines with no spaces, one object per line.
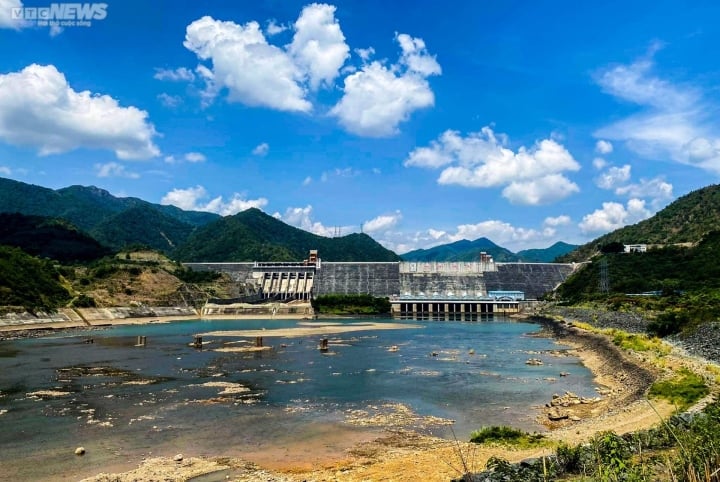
{"x":637,"y":342}
{"x":504,"y":435}
{"x":683,"y":390}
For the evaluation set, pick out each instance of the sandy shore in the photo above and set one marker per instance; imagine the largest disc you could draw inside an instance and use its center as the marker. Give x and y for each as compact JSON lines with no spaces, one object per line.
{"x":398,"y":455}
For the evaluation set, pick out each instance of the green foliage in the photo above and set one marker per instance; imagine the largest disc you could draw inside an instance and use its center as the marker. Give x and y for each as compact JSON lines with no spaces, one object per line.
{"x":683,"y":390}
{"x":501,"y":434}
{"x":351,"y":305}
{"x":638,"y":342}
{"x":83,"y":301}
{"x":252,"y":235}
{"x":29,"y":282}
{"x":48,"y":238}
{"x":547,"y":255}
{"x":187,"y":275}
{"x":687,"y":219}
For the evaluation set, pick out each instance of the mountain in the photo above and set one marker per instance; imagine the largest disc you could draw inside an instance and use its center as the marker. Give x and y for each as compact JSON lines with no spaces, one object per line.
{"x":29,"y":282}
{"x":547,"y":255}
{"x":686,"y":220}
{"x":462,"y":250}
{"x":113,"y":220}
{"x":144,"y":225}
{"x":48,"y":238}
{"x":252,"y":235}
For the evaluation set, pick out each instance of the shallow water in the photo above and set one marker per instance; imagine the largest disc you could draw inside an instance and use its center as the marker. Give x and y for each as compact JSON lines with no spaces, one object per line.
{"x":123,"y":401}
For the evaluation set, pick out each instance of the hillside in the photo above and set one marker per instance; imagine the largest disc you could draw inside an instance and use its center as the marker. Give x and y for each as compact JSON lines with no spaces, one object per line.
{"x":462,"y":250}
{"x":547,"y":255}
{"x":94,"y":210}
{"x":686,"y":220}
{"x":48,"y":238}
{"x":29,"y":282}
{"x":252,"y":235}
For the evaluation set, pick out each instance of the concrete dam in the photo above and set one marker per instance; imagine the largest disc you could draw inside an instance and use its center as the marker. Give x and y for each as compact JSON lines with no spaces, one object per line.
{"x":416,"y":289}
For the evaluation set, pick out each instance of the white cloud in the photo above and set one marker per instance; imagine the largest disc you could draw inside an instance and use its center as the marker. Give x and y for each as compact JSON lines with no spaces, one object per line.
{"x":195,"y":157}
{"x":532,"y":176}
{"x":562,"y":220}
{"x":6,"y":19}
{"x":338,"y":172}
{"x":274,"y":28}
{"x":376,"y":99}
{"x":113,"y":169}
{"x":673,"y":123}
{"x":365,"y":54}
{"x":543,"y":190}
{"x":613,"y":216}
{"x":599,"y":163}
{"x":168,"y":100}
{"x":657,"y":189}
{"x":193,"y":199}
{"x":382,"y":223}
{"x":318,"y":45}
{"x":261,"y":149}
{"x":39,"y":108}
{"x":5,"y":171}
{"x":613,"y":177}
{"x":181,"y":74}
{"x":603,"y":147}
{"x":307,"y":181}
{"x":302,"y":218}
{"x":254,"y":72}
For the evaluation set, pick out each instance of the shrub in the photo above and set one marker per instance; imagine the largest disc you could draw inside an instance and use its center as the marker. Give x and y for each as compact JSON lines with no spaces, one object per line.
{"x":506,"y":435}
{"x":683,"y":390}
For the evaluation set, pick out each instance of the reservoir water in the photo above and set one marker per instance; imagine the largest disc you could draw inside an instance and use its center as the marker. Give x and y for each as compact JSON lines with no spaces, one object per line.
{"x":121,"y":401}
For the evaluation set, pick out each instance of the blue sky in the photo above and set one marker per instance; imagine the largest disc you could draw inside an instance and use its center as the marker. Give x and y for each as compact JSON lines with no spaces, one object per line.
{"x":420,"y":123}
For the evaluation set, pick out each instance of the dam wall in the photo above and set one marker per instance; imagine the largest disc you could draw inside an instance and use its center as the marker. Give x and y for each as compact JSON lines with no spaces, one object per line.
{"x":376,"y":279}
{"x":534,"y":279}
{"x":394,"y":279}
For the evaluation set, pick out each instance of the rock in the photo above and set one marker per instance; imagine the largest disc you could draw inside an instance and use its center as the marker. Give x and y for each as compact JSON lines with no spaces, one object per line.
{"x":557,"y":414}
{"x":80,"y":451}
{"x":178,"y":458}
{"x":574,"y":418}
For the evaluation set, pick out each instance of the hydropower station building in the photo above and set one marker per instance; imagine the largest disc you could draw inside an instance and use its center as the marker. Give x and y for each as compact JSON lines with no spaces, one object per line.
{"x":417,"y":290}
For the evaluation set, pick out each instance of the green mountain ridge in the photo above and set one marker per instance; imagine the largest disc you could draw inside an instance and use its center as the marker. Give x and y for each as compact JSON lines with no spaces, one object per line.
{"x":686,"y":220}
{"x":465,"y":250}
{"x":264,"y":237}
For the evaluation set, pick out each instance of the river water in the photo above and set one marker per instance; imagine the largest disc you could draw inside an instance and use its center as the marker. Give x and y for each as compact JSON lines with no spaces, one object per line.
{"x":122,"y":402}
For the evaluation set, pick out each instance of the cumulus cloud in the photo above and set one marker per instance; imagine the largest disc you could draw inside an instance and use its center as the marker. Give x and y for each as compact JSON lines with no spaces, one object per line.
{"x":194,"y":199}
{"x":562,"y":220}
{"x":114,"y":169}
{"x":613,"y":216}
{"x":659,"y":191}
{"x":674,"y":121}
{"x":274,"y":28}
{"x":377,"y":98}
{"x":38,"y":108}
{"x":338,"y":173}
{"x":302,"y":218}
{"x":6,"y":19}
{"x":482,"y":159}
{"x":253,"y":71}
{"x":181,"y":74}
{"x":318,"y":46}
{"x":382,"y":223}
{"x":603,"y":147}
{"x":261,"y":149}
{"x":195,"y":157}
{"x":5,"y":171}
{"x":599,"y":163}
{"x":613,"y":177}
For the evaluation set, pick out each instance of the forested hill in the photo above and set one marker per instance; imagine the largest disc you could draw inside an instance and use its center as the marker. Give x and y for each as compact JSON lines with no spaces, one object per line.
{"x":252,"y":235}
{"x":686,"y":220}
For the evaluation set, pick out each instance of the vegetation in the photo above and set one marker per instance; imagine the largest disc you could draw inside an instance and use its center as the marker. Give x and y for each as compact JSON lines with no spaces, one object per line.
{"x":684,"y":449}
{"x":546,"y":255}
{"x":252,"y":235}
{"x":187,"y":275}
{"x":687,"y":220}
{"x":351,"y":305}
{"x":29,"y":282}
{"x":683,"y":390}
{"x":48,"y":238}
{"x":638,"y":342}
{"x":507,"y":436}
{"x":462,"y":250}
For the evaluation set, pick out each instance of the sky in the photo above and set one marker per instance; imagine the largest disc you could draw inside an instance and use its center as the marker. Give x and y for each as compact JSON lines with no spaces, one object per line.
{"x":419,"y":123}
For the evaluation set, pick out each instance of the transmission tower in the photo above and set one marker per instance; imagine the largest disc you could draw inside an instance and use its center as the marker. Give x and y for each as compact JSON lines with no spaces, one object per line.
{"x":604,"y":277}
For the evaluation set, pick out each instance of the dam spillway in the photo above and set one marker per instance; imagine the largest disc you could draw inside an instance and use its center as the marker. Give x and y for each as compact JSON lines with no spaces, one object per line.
{"x":430,"y":290}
